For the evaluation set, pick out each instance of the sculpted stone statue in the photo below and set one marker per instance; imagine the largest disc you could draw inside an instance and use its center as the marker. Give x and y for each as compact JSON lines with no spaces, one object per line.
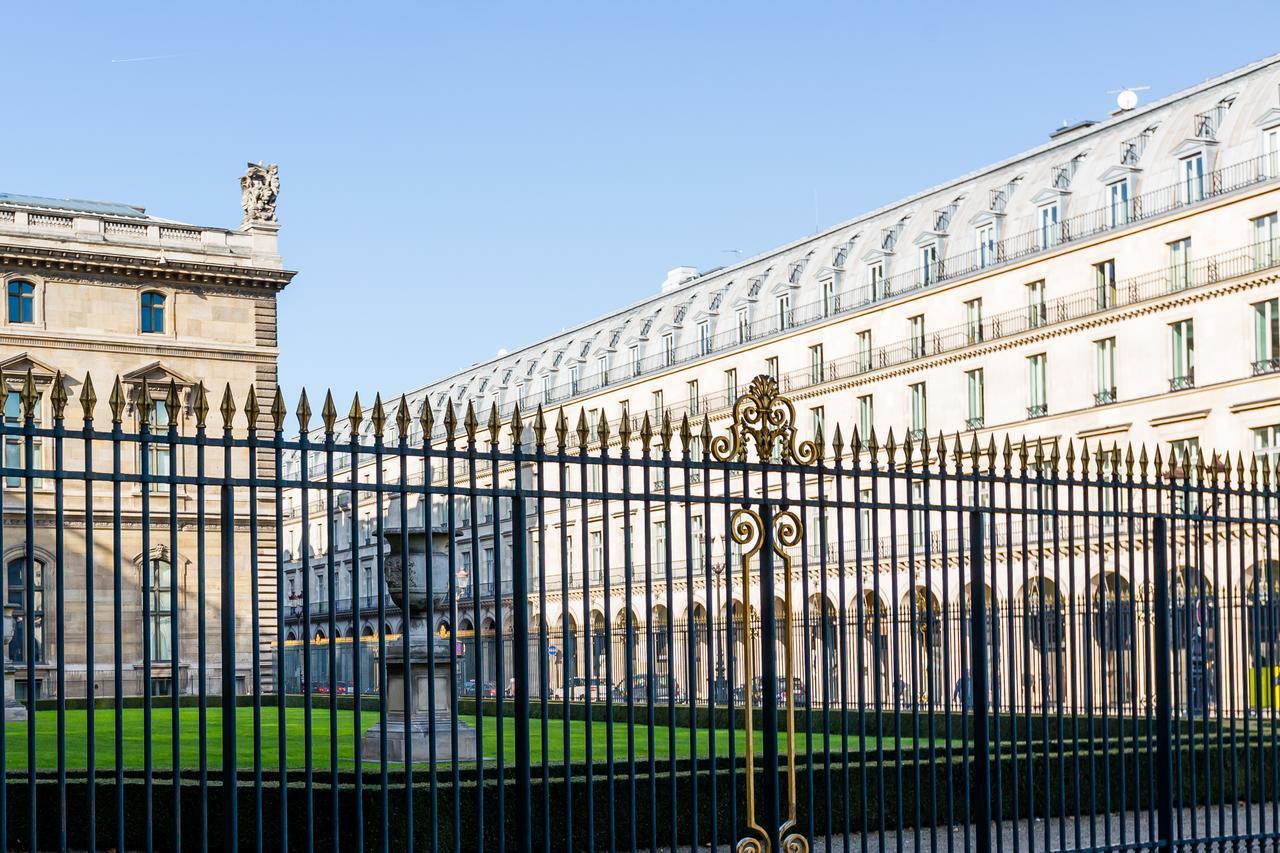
{"x":259,"y":187}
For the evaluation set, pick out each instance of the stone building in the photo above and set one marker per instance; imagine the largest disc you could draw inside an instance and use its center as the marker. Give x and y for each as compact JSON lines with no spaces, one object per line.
{"x":98,"y":290}
{"x":1117,"y":284}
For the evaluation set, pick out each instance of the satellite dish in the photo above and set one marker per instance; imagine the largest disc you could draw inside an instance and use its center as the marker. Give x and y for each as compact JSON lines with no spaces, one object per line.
{"x":1127,"y":99}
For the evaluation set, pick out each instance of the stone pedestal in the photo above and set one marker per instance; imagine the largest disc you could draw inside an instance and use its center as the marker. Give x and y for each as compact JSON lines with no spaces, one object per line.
{"x":13,"y":709}
{"x":416,"y":730}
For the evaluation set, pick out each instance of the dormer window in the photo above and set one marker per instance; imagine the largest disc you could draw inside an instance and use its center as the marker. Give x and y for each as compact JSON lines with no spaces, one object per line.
{"x":1193,"y":178}
{"x":668,"y":348}
{"x":829,"y":303}
{"x":602,"y":369}
{"x":1049,"y":231}
{"x":784,"y":310}
{"x":22,"y":299}
{"x":574,"y":371}
{"x":704,"y":337}
{"x":546,"y":389}
{"x":929,"y":264}
{"x":1118,"y":203}
{"x":152,"y":319}
{"x":875,"y":279}
{"x":1271,"y":151}
{"x":744,"y":325}
{"x":634,"y":350}
{"x":986,"y":244}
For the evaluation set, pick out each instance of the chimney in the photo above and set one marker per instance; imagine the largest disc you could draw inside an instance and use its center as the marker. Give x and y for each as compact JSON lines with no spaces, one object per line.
{"x":678,"y":276}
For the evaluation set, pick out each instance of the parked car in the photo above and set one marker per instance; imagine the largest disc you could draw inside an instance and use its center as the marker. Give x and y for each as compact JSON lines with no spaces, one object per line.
{"x":649,"y":688}
{"x":798,"y":692}
{"x":467,"y":689}
{"x":578,"y":687}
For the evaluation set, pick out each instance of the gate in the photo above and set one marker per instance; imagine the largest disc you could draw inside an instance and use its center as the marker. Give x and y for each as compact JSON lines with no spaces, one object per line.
{"x":410,"y":630}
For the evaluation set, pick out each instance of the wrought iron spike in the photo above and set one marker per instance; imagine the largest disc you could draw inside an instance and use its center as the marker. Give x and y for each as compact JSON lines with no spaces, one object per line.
{"x":837,"y":444}
{"x":686,"y":434}
{"x":562,"y":431}
{"x":117,"y":401}
{"x":582,"y":430}
{"x":426,"y":419}
{"x":58,"y":396}
{"x":665,"y":432}
{"x":975,"y":452}
{"x":1157,"y":463}
{"x":88,"y":398}
{"x":957,"y":450}
{"x":517,"y":427}
{"x":228,"y":407}
{"x":705,"y":433}
{"x":328,"y":413}
{"x":646,"y":432}
{"x":889,"y":446}
{"x":403,"y":419}
{"x":1024,"y":454}
{"x":907,"y":450}
{"x":495,"y":425}
{"x":855,"y":443}
{"x":872,"y":444}
{"x":1054,"y":458}
{"x":991,"y":451}
{"x":469,"y":422}
{"x":540,"y":429}
{"x":278,"y":410}
{"x":200,"y":406}
{"x":378,"y":417}
{"x":819,"y":444}
{"x":450,"y":421}
{"x":1143,"y":461}
{"x":355,"y":416}
{"x":1039,"y":457}
{"x":925,"y":450}
{"x":145,"y":403}
{"x":251,"y":408}
{"x":303,"y":411}
{"x":942,"y":449}
{"x":172,"y":402}
{"x":1008,"y":453}
{"x":602,"y":430}
{"x":624,"y":428}
{"x":28,"y":396}
{"x":1128,"y":461}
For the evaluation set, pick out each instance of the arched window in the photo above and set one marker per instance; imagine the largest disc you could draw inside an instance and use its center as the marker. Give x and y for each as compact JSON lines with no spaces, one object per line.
{"x":17,"y":595}
{"x":22,"y":300}
{"x":160,"y":581}
{"x":152,"y":320}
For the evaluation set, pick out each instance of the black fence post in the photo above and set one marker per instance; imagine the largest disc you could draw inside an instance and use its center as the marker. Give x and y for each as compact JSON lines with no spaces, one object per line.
{"x":229,"y":781}
{"x":520,"y":661}
{"x":768,"y":680}
{"x":981,"y":794}
{"x":1164,"y":702}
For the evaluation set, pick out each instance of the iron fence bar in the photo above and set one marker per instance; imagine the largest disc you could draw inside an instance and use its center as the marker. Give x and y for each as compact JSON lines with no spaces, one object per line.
{"x":978,"y":654}
{"x":569,"y":639}
{"x":668,"y":629}
{"x":845,"y":653}
{"x":118,"y":626}
{"x":498,"y":649}
{"x":725,"y":648}
{"x":825,"y":627}
{"x":60,"y":525}
{"x":355,"y":631}
{"x":91,"y":704}
{"x":4,"y":736}
{"x":628,"y":568}
{"x":255,"y":660}
{"x":175,"y":629}
{"x":282,"y":728}
{"x":308,"y":748}
{"x":591,"y":653}
{"x":1164,"y":720}
{"x":520,"y":659}
{"x":331,"y":596}
{"x":544,"y":628}
{"x":768,"y":675}
{"x":29,"y":628}
{"x":230,"y":806}
{"x":453,"y":582}
{"x":607,"y":590}
{"x":477,"y":646}
{"x":651,"y":752}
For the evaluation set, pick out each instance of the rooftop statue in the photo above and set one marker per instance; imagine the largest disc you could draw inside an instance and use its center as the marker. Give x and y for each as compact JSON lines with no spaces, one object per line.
{"x":259,"y":188}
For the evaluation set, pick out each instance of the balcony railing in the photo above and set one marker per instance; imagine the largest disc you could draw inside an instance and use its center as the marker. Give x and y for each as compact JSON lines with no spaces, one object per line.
{"x":973,"y":423}
{"x":1104,"y":397}
{"x":1266,"y":365}
{"x":1037,"y":411}
{"x":1180,"y":383}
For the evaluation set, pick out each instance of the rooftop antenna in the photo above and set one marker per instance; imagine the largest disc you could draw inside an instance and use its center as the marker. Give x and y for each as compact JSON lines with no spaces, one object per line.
{"x":1127,"y":97}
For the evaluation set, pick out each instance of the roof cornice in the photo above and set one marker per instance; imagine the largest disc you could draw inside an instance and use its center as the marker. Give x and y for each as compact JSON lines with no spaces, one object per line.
{"x":153,"y":269}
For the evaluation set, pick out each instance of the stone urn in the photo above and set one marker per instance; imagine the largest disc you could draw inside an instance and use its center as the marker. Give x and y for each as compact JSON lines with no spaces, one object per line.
{"x":13,"y":709}
{"x":415,"y":586}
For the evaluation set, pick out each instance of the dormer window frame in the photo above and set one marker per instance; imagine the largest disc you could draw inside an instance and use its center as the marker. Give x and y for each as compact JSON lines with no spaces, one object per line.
{"x":1268,"y":125}
{"x":1195,"y":169}
{"x":1120,"y":192}
{"x":929,"y":253}
{"x":1050,"y":214}
{"x":986,"y":233}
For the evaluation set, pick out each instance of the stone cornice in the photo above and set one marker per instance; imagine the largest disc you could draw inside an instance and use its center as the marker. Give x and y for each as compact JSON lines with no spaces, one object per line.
{"x":174,"y":272}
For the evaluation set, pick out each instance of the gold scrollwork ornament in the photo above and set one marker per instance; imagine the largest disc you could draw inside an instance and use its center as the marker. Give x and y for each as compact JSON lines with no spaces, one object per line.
{"x":766,"y":418}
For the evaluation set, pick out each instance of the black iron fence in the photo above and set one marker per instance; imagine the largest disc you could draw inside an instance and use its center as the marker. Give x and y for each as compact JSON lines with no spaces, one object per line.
{"x":692,"y":637}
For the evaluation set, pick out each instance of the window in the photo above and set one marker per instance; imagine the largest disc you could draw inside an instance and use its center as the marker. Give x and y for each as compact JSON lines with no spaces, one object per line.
{"x":1049,"y":232}
{"x":916,"y":326}
{"x":15,"y":444}
{"x":1104,"y":354}
{"x":704,"y":337}
{"x":917,"y":517}
{"x":634,"y":349}
{"x":986,"y":244}
{"x":161,"y":610}
{"x":1104,"y":277}
{"x":22,"y":297}
{"x":865,"y":523}
{"x":929,"y":264}
{"x":771,"y":367}
{"x":574,"y":373}
{"x":658,"y":406}
{"x":818,"y":415}
{"x":977,"y":398}
{"x":919,"y":410}
{"x":1180,"y":264}
{"x":744,"y":325}
{"x":1118,"y":203}
{"x":546,"y":388}
{"x":1036,"y":315}
{"x":866,"y":416}
{"x":17,"y":595}
{"x":875,"y":279}
{"x":1266,"y":241}
{"x":1266,"y":336}
{"x":731,"y":385}
{"x":784,"y":311}
{"x":864,"y":350}
{"x":693,"y":397}
{"x":602,"y":369}
{"x":1183,"y":352}
{"x":1193,"y":179}
{"x":816,"y":364}
{"x":1037,"y":401}
{"x":597,"y":556}
{"x":660,"y":542}
{"x":1271,"y":151}
{"x":158,"y":456}
{"x":1266,"y":444}
{"x":696,"y":537}
{"x":829,"y":302}
{"x":152,"y":321}
{"x":668,"y":349}
{"x":973,"y":320}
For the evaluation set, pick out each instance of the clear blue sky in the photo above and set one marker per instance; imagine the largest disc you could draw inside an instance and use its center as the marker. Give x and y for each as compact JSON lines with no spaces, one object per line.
{"x":459,"y":177}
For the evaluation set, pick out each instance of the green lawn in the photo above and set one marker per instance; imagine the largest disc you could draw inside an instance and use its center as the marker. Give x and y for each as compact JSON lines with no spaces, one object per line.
{"x":134,"y":739}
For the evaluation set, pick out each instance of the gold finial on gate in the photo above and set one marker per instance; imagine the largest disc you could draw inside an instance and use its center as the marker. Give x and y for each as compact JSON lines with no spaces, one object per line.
{"x":602,"y":431}
{"x":664,"y":432}
{"x":229,"y":408}
{"x":907,"y":448}
{"x":145,"y":403}
{"x":873,"y":446}
{"x":942,"y":451}
{"x":88,"y":398}
{"x":562,"y":431}
{"x":1128,"y":461}
{"x":302,"y":413}
{"x":117,"y":401}
{"x":328,"y":413}
{"x":450,"y":422}
{"x":58,"y":396}
{"x":582,"y":430}
{"x":404,"y":420}
{"x":378,"y":417}
{"x":819,"y":443}
{"x":646,"y":433}
{"x":172,"y":402}
{"x":957,"y":452}
{"x":469,"y":422}
{"x":768,"y":419}
{"x":28,"y":396}
{"x":1142,"y":462}
{"x":624,"y":429}
{"x":355,"y":416}
{"x":278,"y":410}
{"x":495,"y":425}
{"x":426,"y":420}
{"x":251,"y":409}
{"x":686,"y":434}
{"x":890,"y":449}
{"x":837,"y":445}
{"x":540,"y":429}
{"x":517,"y":427}
{"x":200,"y":405}
{"x":1157,"y":465}
{"x":705,"y":434}
{"x":1071,"y":457}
